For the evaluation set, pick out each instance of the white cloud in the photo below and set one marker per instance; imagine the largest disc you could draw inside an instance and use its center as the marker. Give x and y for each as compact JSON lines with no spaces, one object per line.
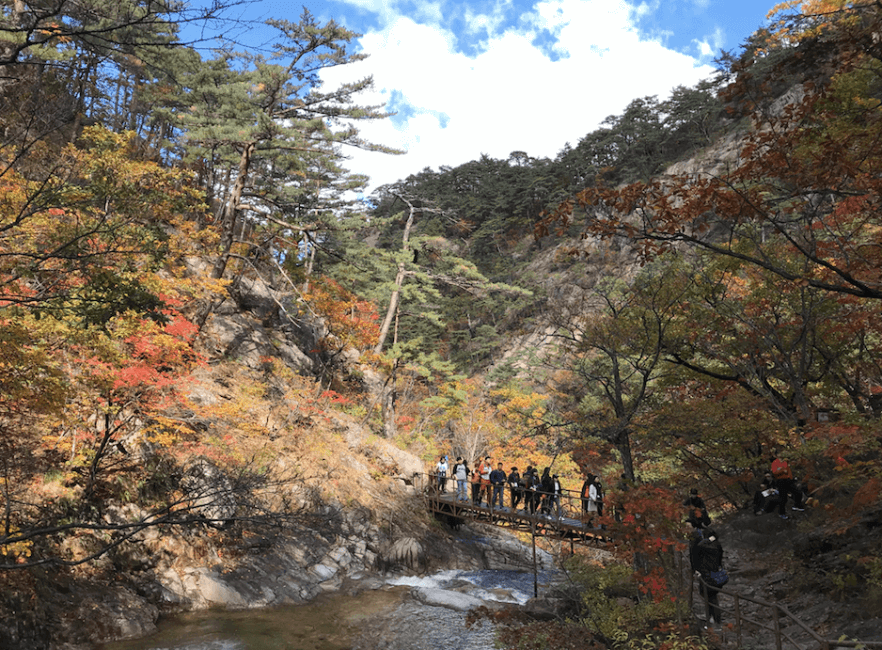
{"x":510,"y":96}
{"x":711,"y":44}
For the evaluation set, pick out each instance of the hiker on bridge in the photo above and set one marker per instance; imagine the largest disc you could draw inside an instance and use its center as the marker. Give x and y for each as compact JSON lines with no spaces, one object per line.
{"x":497,"y":480}
{"x":531,"y":490}
{"x":460,"y":473}
{"x":590,"y":498}
{"x":546,"y":487}
{"x":476,"y":483}
{"x":441,"y":473}
{"x":556,"y":496}
{"x":515,"y":489}
{"x":485,"y":469}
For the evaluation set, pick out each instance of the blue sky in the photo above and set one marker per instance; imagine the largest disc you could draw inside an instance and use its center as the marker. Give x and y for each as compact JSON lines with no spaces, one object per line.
{"x":496,"y":76}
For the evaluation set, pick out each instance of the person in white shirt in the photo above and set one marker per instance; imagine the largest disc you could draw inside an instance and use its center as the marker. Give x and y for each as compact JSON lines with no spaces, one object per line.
{"x":441,"y":473}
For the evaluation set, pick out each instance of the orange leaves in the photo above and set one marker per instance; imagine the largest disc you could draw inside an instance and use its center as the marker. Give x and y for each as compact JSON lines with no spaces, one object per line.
{"x":867,"y":495}
{"x":353,"y":321}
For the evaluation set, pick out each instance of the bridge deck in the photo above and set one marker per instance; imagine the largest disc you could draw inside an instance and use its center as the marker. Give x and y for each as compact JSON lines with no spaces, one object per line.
{"x":551,"y":526}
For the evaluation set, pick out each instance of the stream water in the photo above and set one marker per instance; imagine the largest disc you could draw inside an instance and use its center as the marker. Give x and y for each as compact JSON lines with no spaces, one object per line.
{"x":385,"y":618}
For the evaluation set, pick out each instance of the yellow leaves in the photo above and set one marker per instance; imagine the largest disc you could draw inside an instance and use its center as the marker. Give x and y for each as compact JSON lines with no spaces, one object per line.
{"x":164,"y":431}
{"x":526,"y":410}
{"x":20,"y":550}
{"x":30,"y":380}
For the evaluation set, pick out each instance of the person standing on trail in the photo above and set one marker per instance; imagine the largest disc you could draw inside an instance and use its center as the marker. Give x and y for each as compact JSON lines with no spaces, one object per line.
{"x":706,"y":557}
{"x":696,"y":510}
{"x":497,"y":480}
{"x":786,"y":486}
{"x":460,"y":473}
{"x":441,"y":473}
{"x":515,"y":491}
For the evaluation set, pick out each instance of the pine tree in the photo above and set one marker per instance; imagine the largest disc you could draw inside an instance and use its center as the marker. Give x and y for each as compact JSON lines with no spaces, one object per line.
{"x":272,"y":135}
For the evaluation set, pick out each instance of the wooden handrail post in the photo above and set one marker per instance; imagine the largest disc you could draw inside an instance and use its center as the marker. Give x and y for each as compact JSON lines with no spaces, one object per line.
{"x":677,"y":560}
{"x":777,"y":621}
{"x":535,"y":565}
{"x":702,"y":589}
{"x":738,"y":619}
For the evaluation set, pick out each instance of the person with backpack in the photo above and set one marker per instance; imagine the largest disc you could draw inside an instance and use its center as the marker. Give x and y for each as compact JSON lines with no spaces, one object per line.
{"x":546,"y":489}
{"x":598,"y":487}
{"x":531,"y":490}
{"x":589,"y":498}
{"x":460,"y":473}
{"x":515,"y":489}
{"x":706,"y":559}
{"x":584,"y":496}
{"x":525,"y":487}
{"x":696,"y":510}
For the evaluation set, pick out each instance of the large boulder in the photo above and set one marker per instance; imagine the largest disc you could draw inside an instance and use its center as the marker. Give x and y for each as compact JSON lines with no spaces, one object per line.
{"x":241,"y":337}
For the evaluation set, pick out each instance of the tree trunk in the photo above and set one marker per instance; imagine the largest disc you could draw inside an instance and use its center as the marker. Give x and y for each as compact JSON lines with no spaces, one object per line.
{"x":310,"y":262}
{"x":622,"y":444}
{"x":399,"y":280}
{"x":390,"y":428}
{"x":228,"y":223}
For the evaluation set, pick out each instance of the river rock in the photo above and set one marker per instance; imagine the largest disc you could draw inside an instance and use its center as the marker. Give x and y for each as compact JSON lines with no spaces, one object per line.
{"x":323,"y":572}
{"x":204,"y":585}
{"x":449,"y":599}
{"x":407,"y":552}
{"x":545,"y":608}
{"x":118,"y":614}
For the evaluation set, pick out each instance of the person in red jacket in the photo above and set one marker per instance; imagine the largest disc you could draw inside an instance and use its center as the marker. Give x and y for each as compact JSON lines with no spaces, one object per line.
{"x":784,"y":483}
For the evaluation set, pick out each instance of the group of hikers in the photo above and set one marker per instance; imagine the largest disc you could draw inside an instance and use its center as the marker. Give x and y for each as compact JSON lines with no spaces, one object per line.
{"x":542,"y":493}
{"x":705,"y":550}
{"x":530,"y":490}
{"x":777,"y":485}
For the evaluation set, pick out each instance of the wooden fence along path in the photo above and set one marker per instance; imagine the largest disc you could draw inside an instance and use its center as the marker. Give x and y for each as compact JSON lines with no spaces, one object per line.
{"x":761,"y":625}
{"x":751,"y":622}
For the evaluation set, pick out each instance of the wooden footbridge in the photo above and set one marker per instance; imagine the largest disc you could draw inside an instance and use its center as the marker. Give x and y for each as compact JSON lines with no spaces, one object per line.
{"x":561,"y":519}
